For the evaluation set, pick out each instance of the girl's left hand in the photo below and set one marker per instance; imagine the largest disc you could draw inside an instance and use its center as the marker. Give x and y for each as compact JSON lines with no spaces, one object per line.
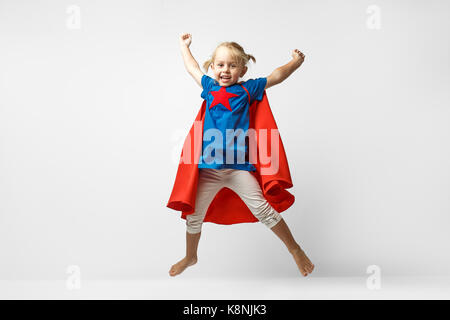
{"x":297,"y":54}
{"x":185,"y":39}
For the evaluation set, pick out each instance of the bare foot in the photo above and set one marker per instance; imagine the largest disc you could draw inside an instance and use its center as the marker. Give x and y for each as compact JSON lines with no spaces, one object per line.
{"x":304,"y":264}
{"x":179,"y":267}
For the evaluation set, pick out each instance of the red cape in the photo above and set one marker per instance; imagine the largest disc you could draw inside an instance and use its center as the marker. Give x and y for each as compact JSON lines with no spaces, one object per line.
{"x":227,"y":207}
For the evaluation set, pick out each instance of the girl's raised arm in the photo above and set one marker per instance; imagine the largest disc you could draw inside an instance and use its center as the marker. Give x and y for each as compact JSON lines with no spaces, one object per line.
{"x":281,"y":73}
{"x":189,"y":62}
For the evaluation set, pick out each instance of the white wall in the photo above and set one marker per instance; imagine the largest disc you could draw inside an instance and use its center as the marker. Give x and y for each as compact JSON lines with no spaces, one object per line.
{"x":91,"y":122}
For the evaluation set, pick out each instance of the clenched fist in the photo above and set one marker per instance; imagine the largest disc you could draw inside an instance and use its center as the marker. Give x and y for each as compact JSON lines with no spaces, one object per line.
{"x":297,"y":54}
{"x":185,"y":39}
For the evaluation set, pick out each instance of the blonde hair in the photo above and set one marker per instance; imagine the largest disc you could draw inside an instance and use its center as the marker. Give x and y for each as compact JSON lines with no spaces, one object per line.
{"x":237,"y":52}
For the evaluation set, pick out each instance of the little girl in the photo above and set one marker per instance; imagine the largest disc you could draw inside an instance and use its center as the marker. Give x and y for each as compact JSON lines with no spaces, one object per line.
{"x":227,"y":108}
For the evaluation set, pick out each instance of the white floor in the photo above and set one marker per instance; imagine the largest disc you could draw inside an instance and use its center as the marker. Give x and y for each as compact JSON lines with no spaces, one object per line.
{"x":209,"y":288}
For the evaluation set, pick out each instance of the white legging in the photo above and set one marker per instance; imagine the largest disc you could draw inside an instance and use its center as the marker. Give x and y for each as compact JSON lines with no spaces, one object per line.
{"x":240,"y":181}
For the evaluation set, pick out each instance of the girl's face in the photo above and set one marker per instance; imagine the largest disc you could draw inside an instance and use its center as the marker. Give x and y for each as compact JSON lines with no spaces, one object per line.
{"x":226,"y":70}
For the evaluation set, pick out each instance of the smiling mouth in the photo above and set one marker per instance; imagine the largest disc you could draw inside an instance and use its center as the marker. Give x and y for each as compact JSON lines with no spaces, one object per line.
{"x":225,"y":78}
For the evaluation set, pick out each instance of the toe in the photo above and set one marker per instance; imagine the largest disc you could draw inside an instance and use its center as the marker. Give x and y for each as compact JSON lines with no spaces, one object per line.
{"x":172,"y":271}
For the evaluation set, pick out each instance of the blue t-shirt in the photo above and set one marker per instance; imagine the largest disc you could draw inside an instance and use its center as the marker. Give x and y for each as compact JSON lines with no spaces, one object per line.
{"x":226,"y":123}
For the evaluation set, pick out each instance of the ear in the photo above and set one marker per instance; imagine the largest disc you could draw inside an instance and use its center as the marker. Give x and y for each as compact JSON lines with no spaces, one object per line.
{"x":244,"y":70}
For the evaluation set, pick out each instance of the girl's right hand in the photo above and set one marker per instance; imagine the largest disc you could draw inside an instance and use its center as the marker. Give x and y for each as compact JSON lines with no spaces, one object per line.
{"x":297,"y":54}
{"x":185,"y":39}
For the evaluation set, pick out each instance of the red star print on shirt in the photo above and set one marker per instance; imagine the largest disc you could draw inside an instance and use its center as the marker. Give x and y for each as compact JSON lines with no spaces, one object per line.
{"x":222,"y":97}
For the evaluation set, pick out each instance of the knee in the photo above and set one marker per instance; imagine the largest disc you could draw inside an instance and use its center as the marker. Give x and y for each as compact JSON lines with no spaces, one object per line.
{"x":193,"y":230}
{"x":268,"y":215}
{"x":193,"y":226}
{"x":273,"y":221}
